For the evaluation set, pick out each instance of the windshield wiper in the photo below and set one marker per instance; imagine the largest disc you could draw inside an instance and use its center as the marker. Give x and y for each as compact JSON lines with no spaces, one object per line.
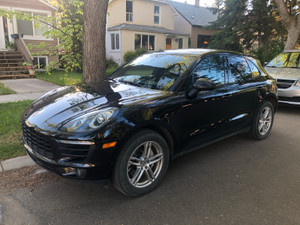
{"x":130,"y":82}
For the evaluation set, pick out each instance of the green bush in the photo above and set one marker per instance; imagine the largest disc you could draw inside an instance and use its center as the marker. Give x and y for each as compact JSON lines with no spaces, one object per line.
{"x":111,"y":63}
{"x":130,"y":55}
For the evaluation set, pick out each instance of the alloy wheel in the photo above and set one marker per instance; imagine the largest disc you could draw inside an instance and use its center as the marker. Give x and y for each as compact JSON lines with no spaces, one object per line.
{"x":145,"y":164}
{"x":265,"y":120}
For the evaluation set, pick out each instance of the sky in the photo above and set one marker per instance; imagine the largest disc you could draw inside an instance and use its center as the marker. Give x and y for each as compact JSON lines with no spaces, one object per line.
{"x":202,"y":2}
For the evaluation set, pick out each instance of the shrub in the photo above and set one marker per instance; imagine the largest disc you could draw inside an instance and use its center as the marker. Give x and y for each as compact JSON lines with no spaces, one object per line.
{"x":130,"y":55}
{"x":111,"y":63}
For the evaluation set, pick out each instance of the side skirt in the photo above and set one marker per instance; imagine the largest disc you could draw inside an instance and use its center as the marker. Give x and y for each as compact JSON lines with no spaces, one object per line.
{"x":186,"y":151}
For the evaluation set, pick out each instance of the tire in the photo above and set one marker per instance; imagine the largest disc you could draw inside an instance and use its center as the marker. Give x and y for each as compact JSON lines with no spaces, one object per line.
{"x":141,"y":164}
{"x":263,"y":121}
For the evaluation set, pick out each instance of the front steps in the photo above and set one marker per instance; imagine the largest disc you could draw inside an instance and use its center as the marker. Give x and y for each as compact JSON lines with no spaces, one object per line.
{"x":11,"y":65}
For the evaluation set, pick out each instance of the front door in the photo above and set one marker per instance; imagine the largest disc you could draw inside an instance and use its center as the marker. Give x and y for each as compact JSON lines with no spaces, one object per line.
{"x":169,"y":43}
{"x":2,"y":35}
{"x":205,"y":117}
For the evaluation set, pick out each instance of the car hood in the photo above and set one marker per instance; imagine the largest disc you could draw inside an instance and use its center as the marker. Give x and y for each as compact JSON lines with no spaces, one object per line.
{"x":50,"y":111}
{"x":284,"y":73}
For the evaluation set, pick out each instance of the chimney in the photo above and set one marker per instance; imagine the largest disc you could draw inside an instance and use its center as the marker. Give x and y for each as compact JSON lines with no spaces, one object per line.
{"x":197,"y":3}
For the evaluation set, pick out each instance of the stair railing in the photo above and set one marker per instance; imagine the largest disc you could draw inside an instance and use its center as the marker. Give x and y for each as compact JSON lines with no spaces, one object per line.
{"x":21,"y":46}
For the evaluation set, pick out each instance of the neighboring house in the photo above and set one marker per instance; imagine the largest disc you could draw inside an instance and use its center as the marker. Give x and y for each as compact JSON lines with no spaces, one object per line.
{"x":193,"y":19}
{"x":32,"y":35}
{"x":148,"y":24}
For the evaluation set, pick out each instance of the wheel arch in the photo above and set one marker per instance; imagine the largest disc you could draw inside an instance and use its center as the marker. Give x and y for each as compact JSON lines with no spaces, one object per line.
{"x":273,"y":100}
{"x":160,"y":129}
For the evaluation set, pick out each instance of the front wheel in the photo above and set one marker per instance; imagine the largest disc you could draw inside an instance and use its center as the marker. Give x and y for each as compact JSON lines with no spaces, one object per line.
{"x":141,"y":164}
{"x":263,"y":121}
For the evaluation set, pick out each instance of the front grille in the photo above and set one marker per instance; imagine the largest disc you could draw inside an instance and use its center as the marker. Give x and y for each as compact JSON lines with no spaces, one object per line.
{"x":44,"y":146}
{"x":74,"y":152}
{"x":38,"y":142}
{"x":284,"y":84}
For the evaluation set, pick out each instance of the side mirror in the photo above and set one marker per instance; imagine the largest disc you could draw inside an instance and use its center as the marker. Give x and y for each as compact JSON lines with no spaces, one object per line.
{"x":202,"y":84}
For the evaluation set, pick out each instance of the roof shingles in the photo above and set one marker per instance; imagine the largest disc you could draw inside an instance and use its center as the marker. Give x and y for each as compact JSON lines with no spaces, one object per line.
{"x":196,"y":16}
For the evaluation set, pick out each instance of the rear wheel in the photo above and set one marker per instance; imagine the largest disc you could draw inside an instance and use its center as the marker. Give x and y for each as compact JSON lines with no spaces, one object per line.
{"x":141,"y":164}
{"x":263,"y":121}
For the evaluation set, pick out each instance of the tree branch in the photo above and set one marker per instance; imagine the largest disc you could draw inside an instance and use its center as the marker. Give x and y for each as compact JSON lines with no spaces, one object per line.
{"x":284,"y":13}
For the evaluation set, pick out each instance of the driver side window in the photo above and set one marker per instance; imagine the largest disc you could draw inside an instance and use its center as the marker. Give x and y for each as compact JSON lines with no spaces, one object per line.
{"x":211,"y":68}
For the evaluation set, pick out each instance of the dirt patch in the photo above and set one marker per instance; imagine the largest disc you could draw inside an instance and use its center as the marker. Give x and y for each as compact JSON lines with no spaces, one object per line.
{"x":25,"y":177}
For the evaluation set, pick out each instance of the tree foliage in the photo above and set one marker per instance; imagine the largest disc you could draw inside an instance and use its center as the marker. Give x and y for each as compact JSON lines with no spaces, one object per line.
{"x":245,"y":24}
{"x":70,"y":22}
{"x":66,"y":25}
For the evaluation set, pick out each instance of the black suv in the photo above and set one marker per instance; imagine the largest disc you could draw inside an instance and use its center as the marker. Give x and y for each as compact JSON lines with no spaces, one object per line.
{"x":152,"y":109}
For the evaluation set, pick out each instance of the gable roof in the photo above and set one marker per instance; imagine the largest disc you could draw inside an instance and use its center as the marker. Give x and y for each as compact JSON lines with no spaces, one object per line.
{"x":196,"y":16}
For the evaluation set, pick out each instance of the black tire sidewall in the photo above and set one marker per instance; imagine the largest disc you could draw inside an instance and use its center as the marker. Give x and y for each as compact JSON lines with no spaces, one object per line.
{"x":120,"y":179}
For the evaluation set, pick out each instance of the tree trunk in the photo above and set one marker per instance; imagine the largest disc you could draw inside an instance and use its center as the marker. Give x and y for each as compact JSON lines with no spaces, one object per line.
{"x":94,"y":30}
{"x":293,"y":35}
{"x":292,"y":24}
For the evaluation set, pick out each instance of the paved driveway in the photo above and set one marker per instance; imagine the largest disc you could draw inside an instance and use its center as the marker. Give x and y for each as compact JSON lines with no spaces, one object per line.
{"x":27,"y":89}
{"x":236,"y":181}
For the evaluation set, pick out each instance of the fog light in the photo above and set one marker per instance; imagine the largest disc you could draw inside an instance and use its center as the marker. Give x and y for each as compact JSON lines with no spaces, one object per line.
{"x":81,"y":173}
{"x":69,"y":171}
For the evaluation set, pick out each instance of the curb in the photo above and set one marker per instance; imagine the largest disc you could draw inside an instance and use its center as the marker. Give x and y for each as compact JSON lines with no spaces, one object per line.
{"x":16,"y":163}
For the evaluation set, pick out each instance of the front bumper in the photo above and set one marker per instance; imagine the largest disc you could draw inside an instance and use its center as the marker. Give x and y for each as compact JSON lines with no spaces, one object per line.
{"x":69,"y":158}
{"x":86,"y":171}
{"x":289,"y":96}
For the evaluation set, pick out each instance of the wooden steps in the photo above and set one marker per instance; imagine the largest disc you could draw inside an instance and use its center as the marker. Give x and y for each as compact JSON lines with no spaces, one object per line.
{"x":11,"y":65}
{"x":16,"y":76}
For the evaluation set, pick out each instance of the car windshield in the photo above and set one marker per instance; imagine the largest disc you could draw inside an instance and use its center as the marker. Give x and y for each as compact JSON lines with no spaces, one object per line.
{"x":156,"y":71}
{"x":286,"y":59}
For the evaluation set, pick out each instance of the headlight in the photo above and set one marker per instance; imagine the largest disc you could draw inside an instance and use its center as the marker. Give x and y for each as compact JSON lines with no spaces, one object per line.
{"x":298,"y":83}
{"x":90,"y":121}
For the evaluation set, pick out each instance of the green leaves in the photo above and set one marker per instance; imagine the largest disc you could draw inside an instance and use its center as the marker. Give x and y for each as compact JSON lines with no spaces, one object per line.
{"x":66,"y":25}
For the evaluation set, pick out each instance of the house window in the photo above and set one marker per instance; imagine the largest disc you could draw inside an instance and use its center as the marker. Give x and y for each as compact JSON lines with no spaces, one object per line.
{"x":203,"y":41}
{"x":33,"y":28}
{"x":144,"y":41}
{"x":129,"y":11}
{"x":156,"y":14}
{"x":180,"y":43}
{"x":40,"y":62}
{"x":115,"y":41}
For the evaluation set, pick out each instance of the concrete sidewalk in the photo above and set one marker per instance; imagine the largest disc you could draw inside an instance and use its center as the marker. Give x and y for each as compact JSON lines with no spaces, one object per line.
{"x":16,"y":163}
{"x":27,"y":89}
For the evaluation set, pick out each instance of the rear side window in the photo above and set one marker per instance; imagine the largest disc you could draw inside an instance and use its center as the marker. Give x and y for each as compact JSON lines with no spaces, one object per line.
{"x":254,"y":70}
{"x":239,"y":69}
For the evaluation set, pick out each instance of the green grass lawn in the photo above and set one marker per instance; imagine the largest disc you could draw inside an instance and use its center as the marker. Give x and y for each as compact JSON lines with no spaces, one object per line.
{"x":61,"y":77}
{"x":10,"y":129}
{"x":5,"y":91}
{"x":66,"y":78}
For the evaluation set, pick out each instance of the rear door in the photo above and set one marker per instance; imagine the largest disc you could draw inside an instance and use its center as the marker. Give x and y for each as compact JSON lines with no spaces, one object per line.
{"x":244,"y":89}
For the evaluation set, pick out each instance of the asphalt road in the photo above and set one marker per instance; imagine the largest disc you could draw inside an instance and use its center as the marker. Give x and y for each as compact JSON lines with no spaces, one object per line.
{"x":236,"y":181}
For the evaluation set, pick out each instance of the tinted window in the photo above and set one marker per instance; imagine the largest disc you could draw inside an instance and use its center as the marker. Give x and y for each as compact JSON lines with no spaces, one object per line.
{"x":239,"y":69}
{"x":255,"y":71}
{"x":211,"y":68}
